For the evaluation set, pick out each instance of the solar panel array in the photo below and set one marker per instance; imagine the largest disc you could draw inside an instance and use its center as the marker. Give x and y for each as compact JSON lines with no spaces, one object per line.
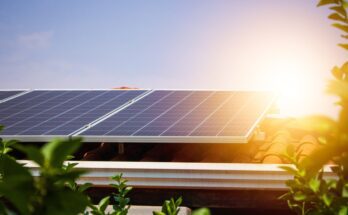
{"x":186,"y":113}
{"x":5,"y":94}
{"x":135,"y":115}
{"x":59,"y":112}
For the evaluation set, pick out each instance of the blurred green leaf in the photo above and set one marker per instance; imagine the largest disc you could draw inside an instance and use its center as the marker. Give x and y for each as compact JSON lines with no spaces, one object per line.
{"x":326,"y":2}
{"x":337,"y":17}
{"x":57,"y":151}
{"x":201,"y":211}
{"x":104,"y":203}
{"x":65,"y":202}
{"x":17,"y":184}
{"x":314,"y":184}
{"x":338,"y":87}
{"x":337,"y":72}
{"x":341,"y":27}
{"x":340,"y":10}
{"x":343,"y":210}
{"x":327,"y":199}
{"x":299,"y":196}
{"x":83,"y":187}
{"x":33,"y":153}
{"x":344,"y":45}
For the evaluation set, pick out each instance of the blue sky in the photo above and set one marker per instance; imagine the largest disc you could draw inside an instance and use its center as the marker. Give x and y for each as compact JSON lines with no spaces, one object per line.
{"x":191,"y":44}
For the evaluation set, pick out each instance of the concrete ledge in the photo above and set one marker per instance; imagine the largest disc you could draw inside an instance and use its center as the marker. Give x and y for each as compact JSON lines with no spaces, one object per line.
{"x":147,"y":210}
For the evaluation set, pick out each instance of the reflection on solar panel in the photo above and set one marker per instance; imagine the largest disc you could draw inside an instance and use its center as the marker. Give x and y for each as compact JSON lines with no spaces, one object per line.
{"x":185,"y":116}
{"x":4,"y":94}
{"x":59,"y":112}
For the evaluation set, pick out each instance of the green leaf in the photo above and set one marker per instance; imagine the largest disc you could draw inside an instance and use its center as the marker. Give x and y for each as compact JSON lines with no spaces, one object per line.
{"x":345,"y":46}
{"x":345,"y":191}
{"x":327,"y":199}
{"x":33,"y":153}
{"x":337,"y":17}
{"x":104,"y":203}
{"x":299,"y":196}
{"x":84,"y":187}
{"x":341,"y":27}
{"x":57,"y":151}
{"x":67,"y":202}
{"x":314,"y":184}
{"x":339,"y":88}
{"x":201,"y":211}
{"x":343,"y":210}
{"x":17,"y":184}
{"x":339,"y":10}
{"x":337,"y":72}
{"x":326,"y":2}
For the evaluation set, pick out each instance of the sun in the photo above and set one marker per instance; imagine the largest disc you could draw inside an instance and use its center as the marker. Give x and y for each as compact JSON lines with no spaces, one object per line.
{"x":290,"y":80}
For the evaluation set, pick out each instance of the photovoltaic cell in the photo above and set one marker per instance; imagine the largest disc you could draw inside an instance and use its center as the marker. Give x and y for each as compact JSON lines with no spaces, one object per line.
{"x":186,"y":114}
{"x":59,"y":112}
{"x":4,"y":94}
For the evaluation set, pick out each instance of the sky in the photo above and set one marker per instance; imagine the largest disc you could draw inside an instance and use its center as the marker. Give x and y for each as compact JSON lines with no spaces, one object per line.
{"x":285,"y":46}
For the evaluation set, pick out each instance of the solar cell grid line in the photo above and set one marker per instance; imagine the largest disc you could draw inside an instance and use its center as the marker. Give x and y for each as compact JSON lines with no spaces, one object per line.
{"x":217,"y":119}
{"x":240,"y":109}
{"x":115,"y":121}
{"x":24,"y":104}
{"x":4,"y":94}
{"x":246,"y":117}
{"x":20,"y":102}
{"x":159,"y":125}
{"x":212,"y":114}
{"x":132,"y":111}
{"x":30,"y":117}
{"x":109,"y":102}
{"x":55,"y":120}
{"x":131,"y":126}
{"x":189,"y":122}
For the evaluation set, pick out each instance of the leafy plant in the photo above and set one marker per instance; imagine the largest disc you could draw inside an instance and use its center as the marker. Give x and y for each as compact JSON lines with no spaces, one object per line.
{"x":100,"y":209}
{"x":121,"y":205}
{"x":47,"y":193}
{"x":122,"y":201}
{"x":6,"y":145}
{"x":170,"y":207}
{"x":309,"y":192}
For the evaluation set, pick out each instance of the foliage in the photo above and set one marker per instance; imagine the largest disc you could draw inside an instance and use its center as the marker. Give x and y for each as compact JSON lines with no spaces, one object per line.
{"x":309,"y":192}
{"x":201,"y":211}
{"x":312,"y":194}
{"x":5,"y":145}
{"x":47,"y":193}
{"x":121,"y":205}
{"x":170,"y":207}
{"x":100,"y":209}
{"x":122,"y":201}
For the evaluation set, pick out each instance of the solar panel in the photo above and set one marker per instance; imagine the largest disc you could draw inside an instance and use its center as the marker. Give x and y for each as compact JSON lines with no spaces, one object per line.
{"x":5,"y":94}
{"x":185,"y":116}
{"x":59,"y":112}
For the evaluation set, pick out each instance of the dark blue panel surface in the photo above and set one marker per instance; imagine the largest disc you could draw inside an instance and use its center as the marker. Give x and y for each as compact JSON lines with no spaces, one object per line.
{"x":6,"y":94}
{"x":187,"y":113}
{"x":59,"y":112}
